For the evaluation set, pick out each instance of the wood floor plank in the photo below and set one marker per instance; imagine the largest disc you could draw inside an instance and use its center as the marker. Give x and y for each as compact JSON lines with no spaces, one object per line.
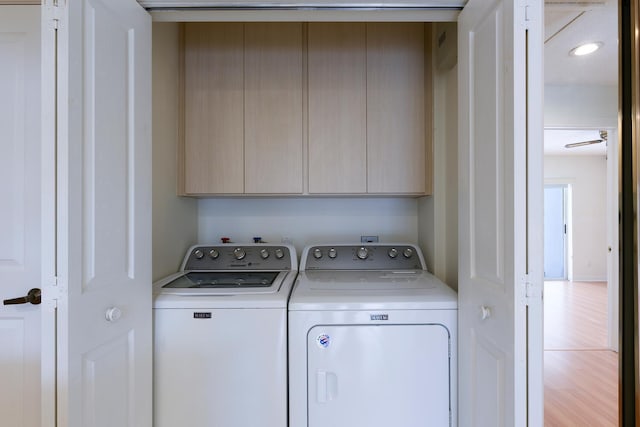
{"x":580,"y":373}
{"x":575,"y":315}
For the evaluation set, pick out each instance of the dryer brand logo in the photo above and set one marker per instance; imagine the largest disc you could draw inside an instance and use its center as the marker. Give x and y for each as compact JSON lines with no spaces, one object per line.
{"x":323,"y":341}
{"x":202,"y":315}
{"x":379,"y":317}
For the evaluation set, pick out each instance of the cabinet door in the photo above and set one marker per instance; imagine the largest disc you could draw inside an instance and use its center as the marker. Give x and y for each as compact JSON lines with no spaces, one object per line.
{"x":273,"y":108}
{"x":396,"y":108}
{"x":337,"y":108}
{"x":214,"y":108}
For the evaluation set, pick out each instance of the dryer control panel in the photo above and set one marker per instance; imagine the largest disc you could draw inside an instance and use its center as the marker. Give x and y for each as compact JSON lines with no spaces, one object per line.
{"x":363,"y":257}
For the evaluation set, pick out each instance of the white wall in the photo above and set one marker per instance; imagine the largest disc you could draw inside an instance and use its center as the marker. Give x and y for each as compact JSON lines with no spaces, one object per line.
{"x":587,"y":177}
{"x":438,"y":225}
{"x":580,"y":106}
{"x":308,"y":220}
{"x":174,"y":218}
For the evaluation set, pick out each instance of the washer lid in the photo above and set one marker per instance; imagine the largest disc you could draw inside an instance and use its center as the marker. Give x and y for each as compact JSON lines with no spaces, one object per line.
{"x":203,"y":283}
{"x":358,"y":290}
{"x":223,"y":280}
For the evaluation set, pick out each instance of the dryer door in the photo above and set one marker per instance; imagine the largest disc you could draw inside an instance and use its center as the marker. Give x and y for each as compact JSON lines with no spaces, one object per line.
{"x":379,"y":375}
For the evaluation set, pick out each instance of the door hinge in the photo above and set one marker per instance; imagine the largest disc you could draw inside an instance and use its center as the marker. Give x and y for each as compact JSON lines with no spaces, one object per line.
{"x":53,"y":11}
{"x":531,"y":290}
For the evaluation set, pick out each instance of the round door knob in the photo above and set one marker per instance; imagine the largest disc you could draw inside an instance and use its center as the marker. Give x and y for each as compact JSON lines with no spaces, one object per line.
{"x":332,"y":253}
{"x":279,"y":253}
{"x":317,"y":253}
{"x":393,"y":252}
{"x":407,"y":253}
{"x":363,"y":253}
{"x":264,"y":254}
{"x":113,"y":314}
{"x":198,"y":254}
{"x":214,"y":254}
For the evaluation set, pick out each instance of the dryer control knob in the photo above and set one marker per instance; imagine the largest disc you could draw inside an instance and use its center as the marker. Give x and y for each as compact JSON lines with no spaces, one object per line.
{"x":239,"y":253}
{"x":317,"y":253}
{"x":363,"y":253}
{"x":214,"y":254}
{"x":279,"y":253}
{"x":332,"y":253}
{"x":264,"y":254}
{"x":408,"y":253}
{"x":198,"y":254}
{"x":393,"y":252}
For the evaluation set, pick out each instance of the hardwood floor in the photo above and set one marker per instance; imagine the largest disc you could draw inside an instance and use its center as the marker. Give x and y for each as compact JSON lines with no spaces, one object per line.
{"x":581,"y":375}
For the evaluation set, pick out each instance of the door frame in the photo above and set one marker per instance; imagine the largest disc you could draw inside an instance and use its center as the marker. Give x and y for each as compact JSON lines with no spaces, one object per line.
{"x":611,"y":218}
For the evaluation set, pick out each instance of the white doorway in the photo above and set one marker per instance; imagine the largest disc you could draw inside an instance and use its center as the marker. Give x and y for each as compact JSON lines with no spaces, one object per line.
{"x":556,"y":206}
{"x":580,"y":291}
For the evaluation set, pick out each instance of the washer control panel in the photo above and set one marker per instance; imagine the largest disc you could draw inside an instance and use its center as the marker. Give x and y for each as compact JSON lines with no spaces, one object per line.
{"x":248,"y":257}
{"x":363,"y":257}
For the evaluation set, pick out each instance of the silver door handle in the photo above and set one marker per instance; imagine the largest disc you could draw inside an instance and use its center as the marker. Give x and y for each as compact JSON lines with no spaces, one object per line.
{"x":32,"y":297}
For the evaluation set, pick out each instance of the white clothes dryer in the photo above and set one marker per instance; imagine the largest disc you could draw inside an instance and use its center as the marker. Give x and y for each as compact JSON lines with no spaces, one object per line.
{"x":220,"y":337}
{"x":372,"y":339}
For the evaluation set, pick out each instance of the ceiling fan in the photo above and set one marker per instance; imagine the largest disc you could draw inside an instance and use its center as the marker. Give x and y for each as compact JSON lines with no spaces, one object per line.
{"x":603,"y":137}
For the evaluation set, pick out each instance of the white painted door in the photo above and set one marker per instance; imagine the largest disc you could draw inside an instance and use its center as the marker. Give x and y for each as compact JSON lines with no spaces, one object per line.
{"x":102,"y":171}
{"x":500,"y":233}
{"x":19,"y":214}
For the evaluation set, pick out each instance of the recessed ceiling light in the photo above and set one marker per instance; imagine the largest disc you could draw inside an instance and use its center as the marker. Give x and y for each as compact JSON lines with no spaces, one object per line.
{"x":585,"y":49}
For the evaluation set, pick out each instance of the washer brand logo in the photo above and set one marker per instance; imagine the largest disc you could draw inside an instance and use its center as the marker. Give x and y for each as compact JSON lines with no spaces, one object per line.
{"x":379,"y":317}
{"x":323,"y":341}
{"x":198,"y":315}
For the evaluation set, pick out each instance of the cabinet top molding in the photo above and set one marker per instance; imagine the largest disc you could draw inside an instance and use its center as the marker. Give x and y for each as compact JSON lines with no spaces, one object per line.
{"x":317,"y":4}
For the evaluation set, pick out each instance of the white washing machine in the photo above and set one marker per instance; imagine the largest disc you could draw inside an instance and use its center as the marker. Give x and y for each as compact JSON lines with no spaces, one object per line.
{"x":372,"y":339}
{"x":220,"y":337}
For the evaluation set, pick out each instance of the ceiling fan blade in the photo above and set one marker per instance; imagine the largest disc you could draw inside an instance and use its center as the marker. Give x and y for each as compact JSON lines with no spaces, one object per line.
{"x":583,"y":143}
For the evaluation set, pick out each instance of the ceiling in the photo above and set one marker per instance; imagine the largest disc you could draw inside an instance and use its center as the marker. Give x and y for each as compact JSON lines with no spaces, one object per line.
{"x":568,"y":23}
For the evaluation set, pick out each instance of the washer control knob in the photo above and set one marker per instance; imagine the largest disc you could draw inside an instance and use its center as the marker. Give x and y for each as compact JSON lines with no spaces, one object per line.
{"x":332,"y":253}
{"x":363,"y":253}
{"x":279,"y":253}
{"x":264,"y":254}
{"x":239,"y":253}
{"x":198,"y":254}
{"x":408,"y":253}
{"x":317,"y":253}
{"x":214,"y":254}
{"x":393,"y":252}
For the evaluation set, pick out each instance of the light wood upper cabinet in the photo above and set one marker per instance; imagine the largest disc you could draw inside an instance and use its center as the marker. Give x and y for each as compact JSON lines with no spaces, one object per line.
{"x":337,"y":108}
{"x":243,"y":108}
{"x":273,"y":108}
{"x":396,"y":132}
{"x":214,"y":108}
{"x":315,"y":108}
{"x":368,"y":121}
